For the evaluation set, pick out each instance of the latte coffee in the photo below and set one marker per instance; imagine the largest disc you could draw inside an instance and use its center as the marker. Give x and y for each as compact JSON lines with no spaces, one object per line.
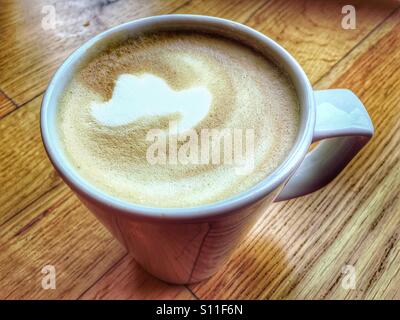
{"x":139,"y":118}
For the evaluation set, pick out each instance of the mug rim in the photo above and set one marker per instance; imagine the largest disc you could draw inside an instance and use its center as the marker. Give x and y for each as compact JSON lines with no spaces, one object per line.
{"x":251,"y":195}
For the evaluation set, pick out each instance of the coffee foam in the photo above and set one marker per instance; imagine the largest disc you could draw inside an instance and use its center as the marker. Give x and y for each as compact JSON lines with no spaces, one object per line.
{"x":203,"y":81}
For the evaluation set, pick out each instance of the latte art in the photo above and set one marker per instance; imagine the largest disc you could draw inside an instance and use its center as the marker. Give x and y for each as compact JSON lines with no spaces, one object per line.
{"x":197,"y":82}
{"x":147,"y":95}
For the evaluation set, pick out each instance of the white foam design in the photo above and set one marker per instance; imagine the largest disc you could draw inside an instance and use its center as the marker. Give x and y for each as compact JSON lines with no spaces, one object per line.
{"x":147,"y":95}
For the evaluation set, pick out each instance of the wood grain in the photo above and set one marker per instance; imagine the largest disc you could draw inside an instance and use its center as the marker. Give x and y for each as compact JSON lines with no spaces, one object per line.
{"x":26,"y":172}
{"x":309,"y":29}
{"x":296,"y":250}
{"x":127,"y":280}
{"x":6,"y":105}
{"x":54,"y":230}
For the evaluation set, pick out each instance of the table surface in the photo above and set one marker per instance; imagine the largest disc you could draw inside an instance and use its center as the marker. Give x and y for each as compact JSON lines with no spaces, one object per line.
{"x":339,"y":243}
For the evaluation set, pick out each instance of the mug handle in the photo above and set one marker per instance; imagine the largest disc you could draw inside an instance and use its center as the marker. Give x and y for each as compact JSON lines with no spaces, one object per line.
{"x":342,"y":119}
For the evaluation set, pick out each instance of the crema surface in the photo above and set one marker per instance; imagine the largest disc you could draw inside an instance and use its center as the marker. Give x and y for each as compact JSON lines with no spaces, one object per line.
{"x":177,"y":85}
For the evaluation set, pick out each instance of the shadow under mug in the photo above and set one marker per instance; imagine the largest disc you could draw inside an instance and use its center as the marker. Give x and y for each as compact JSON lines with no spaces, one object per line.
{"x":186,"y":245}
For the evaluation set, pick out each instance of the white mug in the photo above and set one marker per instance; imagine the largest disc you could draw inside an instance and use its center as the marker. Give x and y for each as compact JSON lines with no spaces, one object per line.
{"x":186,"y":245}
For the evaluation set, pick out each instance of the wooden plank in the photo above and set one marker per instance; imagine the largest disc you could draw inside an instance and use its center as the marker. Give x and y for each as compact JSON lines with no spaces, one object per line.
{"x":54,"y":230}
{"x":298,"y":248}
{"x":31,"y":49}
{"x":127,"y":280}
{"x":6,"y":105}
{"x":370,"y":41}
{"x":309,"y":29}
{"x":26,"y":173}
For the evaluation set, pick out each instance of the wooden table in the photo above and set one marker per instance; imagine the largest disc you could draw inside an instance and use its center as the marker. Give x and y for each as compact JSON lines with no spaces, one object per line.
{"x":304,"y":248}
